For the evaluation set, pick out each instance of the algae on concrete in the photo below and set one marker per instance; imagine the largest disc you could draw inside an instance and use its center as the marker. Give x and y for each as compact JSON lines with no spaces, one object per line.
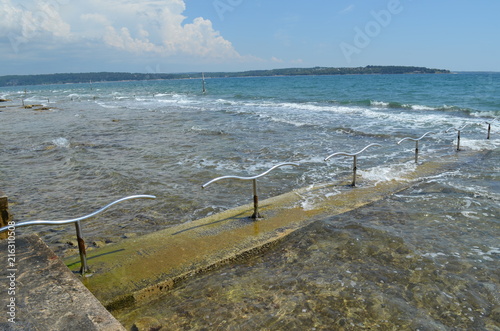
{"x":142,"y":268}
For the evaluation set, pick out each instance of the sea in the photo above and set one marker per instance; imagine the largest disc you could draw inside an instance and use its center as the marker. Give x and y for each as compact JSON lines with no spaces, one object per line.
{"x":426,"y":258}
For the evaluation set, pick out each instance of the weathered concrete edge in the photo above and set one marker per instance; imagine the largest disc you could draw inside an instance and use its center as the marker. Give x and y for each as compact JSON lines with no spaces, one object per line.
{"x":48,"y":295}
{"x":155,"y":291}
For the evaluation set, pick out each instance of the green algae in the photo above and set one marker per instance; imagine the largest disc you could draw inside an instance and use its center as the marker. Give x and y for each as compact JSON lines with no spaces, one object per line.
{"x":142,"y":268}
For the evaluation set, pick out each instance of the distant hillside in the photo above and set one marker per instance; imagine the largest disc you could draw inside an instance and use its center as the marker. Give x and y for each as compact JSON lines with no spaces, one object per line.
{"x":19,"y":80}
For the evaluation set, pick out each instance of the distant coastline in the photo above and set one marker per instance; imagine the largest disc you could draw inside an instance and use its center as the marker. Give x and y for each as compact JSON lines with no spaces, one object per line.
{"x":47,"y":79}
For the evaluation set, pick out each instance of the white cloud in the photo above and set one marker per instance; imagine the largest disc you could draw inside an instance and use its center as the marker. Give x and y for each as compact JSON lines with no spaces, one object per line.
{"x":96,"y":18}
{"x":29,"y":20}
{"x":155,"y":27}
{"x":158,"y":27}
{"x":123,"y":40}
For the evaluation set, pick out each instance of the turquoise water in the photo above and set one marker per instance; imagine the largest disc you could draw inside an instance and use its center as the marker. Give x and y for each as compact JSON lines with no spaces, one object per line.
{"x":434,"y":246}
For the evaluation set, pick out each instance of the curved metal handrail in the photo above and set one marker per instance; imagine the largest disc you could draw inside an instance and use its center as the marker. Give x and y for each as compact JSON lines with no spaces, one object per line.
{"x":81,"y":243}
{"x":416,"y":140}
{"x":253,"y":177}
{"x":355,"y":155}
{"x":255,"y":214}
{"x":351,"y":154}
{"x":74,"y":220}
{"x":459,"y":129}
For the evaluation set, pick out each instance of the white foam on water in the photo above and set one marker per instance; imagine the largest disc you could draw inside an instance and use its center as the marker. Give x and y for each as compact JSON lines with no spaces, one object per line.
{"x":288,"y":121}
{"x":421,"y":107}
{"x":438,"y":177}
{"x":226,"y":102}
{"x":61,"y":142}
{"x":387,"y":173}
{"x":104,"y":105}
{"x":479,"y":144}
{"x":470,"y":214}
{"x":379,"y":103}
{"x":311,"y":197}
{"x":475,"y":190}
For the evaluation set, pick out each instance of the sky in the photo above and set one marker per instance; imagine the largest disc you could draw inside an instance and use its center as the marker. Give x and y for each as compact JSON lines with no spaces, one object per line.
{"x":170,"y":36}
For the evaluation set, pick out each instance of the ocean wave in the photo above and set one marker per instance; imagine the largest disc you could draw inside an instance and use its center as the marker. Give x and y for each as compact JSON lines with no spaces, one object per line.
{"x":104,"y":105}
{"x":494,"y":115}
{"x":395,"y":105}
{"x":409,"y":106}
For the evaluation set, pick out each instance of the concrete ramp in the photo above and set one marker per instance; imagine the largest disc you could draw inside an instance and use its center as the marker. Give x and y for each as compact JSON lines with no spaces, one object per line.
{"x":140,"y":269}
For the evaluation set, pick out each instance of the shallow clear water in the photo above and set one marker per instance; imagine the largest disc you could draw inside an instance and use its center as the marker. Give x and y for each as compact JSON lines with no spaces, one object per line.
{"x":410,"y":262}
{"x":434,"y":245}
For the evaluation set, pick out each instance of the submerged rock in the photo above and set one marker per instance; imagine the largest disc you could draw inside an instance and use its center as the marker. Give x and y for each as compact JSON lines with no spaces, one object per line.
{"x":147,"y":324}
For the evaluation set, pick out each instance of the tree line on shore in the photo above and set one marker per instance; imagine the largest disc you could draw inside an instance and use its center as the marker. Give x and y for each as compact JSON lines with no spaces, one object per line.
{"x":67,"y":78}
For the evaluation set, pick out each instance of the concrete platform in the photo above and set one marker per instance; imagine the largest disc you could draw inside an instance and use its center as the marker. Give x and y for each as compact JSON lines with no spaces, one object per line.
{"x":137,"y":270}
{"x":38,"y":292}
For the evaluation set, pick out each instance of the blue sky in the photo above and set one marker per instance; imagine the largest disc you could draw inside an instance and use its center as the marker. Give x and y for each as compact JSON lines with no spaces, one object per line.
{"x":49,"y":36}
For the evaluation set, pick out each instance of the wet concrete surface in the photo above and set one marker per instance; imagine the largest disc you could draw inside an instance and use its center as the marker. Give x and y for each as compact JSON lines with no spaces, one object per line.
{"x":141,"y":269}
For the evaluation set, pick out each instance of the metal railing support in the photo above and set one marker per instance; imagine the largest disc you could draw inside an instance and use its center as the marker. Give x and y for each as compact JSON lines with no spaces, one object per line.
{"x":355,"y":156}
{"x":81,"y":248}
{"x":256,"y":214}
{"x":416,"y":143}
{"x":458,"y":137}
{"x":81,"y":243}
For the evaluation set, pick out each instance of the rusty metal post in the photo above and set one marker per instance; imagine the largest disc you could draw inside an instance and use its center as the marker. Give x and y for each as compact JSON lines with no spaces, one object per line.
{"x":81,"y":248}
{"x":256,"y":214}
{"x":4,"y":213}
{"x":416,"y":151}
{"x":354,"y":170}
{"x":458,"y":136}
